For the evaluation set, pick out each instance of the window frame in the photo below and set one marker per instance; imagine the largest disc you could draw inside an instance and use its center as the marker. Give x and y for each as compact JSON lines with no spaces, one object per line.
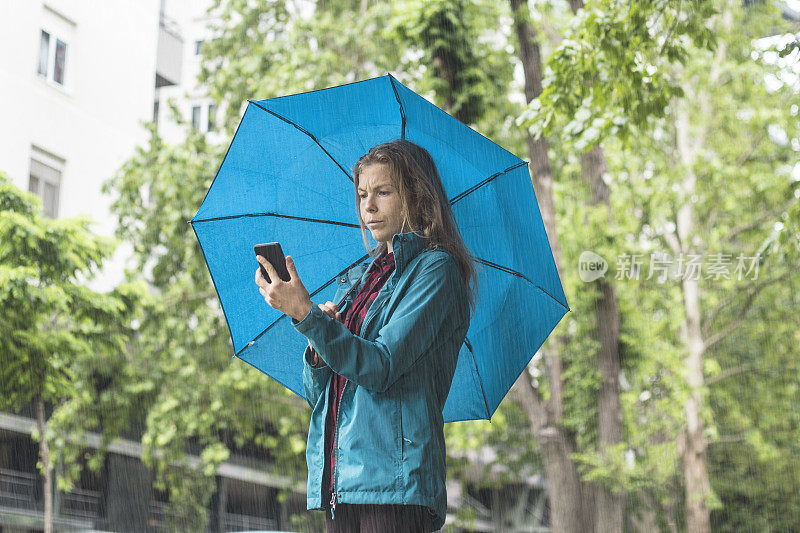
{"x":56,"y":67}
{"x":46,"y":169}
{"x":197,"y":117}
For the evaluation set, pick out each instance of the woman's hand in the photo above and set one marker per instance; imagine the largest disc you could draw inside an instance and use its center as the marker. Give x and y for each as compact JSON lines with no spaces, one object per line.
{"x":289,"y":297}
{"x":330,"y":309}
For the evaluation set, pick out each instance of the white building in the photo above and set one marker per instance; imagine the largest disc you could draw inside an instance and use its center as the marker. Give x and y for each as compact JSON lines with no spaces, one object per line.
{"x":188,"y":96}
{"x":77,"y":80}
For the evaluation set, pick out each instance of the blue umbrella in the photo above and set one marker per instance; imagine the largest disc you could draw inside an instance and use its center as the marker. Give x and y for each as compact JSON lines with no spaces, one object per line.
{"x":287,"y":177}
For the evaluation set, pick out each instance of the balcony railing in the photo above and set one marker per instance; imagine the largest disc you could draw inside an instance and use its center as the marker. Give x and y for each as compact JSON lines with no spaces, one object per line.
{"x":17,"y":489}
{"x":241,"y":522}
{"x":158,"y":513}
{"x":81,"y":503}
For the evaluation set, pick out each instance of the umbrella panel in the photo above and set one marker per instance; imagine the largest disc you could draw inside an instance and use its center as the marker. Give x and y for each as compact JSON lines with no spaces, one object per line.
{"x":228,"y":247}
{"x":519,"y":317}
{"x":256,"y":178}
{"x":426,"y":122}
{"x":330,"y":111}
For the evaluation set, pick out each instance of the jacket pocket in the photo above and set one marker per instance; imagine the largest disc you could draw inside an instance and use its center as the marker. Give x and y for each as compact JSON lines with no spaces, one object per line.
{"x":401,"y":450}
{"x":402,"y":433}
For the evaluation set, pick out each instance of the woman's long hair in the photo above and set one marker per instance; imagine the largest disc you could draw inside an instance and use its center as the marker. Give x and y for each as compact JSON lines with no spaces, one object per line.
{"x":425,"y":207}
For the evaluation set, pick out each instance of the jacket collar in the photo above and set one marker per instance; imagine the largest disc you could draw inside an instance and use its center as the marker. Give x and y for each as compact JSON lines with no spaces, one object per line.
{"x":405,"y":247}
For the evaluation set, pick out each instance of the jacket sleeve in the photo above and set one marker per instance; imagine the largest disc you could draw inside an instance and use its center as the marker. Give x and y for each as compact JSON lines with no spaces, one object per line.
{"x":436,"y":291}
{"x":314,"y":379}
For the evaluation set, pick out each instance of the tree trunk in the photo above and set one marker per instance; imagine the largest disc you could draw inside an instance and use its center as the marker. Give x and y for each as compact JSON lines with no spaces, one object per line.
{"x":647,"y":521}
{"x":565,"y":491}
{"x":608,"y":504}
{"x":692,"y":444}
{"x":44,"y":454}
{"x":570,"y":505}
{"x":693,"y":447}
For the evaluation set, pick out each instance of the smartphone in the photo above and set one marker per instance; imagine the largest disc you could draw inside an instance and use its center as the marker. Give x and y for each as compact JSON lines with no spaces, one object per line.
{"x":273,"y":253}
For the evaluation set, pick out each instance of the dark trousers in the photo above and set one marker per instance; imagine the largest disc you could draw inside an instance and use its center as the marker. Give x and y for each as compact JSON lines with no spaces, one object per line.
{"x":379,"y":519}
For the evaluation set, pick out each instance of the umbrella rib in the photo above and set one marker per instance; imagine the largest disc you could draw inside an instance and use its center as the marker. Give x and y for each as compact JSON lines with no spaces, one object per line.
{"x":304,"y":131}
{"x":402,"y":111}
{"x":333,"y":222}
{"x":484,"y":182}
{"x":518,"y":274}
{"x":227,"y":151}
{"x":312,"y":294}
{"x":480,"y":383}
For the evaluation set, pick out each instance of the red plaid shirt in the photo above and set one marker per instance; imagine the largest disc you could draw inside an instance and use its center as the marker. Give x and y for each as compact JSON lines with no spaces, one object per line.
{"x":381,"y":270}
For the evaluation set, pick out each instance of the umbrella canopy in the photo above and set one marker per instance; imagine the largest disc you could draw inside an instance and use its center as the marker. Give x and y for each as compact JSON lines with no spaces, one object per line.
{"x":287,"y":177}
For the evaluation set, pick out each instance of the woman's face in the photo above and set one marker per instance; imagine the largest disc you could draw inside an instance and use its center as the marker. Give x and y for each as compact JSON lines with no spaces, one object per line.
{"x":379,"y":203}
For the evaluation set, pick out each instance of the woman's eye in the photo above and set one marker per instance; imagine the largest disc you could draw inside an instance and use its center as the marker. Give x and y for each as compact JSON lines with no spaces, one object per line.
{"x":384,"y":193}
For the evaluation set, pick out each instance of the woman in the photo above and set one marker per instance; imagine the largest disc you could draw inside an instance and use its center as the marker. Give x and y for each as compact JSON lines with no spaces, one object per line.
{"x":378,"y":370}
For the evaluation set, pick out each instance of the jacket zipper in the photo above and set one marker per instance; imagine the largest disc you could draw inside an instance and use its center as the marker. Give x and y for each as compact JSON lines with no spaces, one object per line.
{"x":336,"y":451}
{"x":339,"y":408}
{"x":380,"y":299}
{"x":373,"y":310}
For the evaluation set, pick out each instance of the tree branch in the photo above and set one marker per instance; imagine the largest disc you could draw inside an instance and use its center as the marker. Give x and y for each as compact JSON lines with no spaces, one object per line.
{"x":528,"y":395}
{"x":671,"y":238}
{"x":744,"y":157}
{"x":729,"y":372}
{"x":671,"y":28}
{"x":760,"y":220}
{"x":710,"y":341}
{"x":725,"y":439}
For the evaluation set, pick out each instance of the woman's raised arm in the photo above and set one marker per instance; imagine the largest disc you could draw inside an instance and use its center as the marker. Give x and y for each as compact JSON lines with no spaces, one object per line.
{"x":436,"y":295}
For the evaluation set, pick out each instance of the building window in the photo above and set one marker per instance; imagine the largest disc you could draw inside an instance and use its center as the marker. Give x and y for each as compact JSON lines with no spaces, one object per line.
{"x":45,"y":180}
{"x":44,"y":53}
{"x":196,"y":117}
{"x":197,"y":46}
{"x":212,"y":115}
{"x":52,"y":58}
{"x":58,"y":66}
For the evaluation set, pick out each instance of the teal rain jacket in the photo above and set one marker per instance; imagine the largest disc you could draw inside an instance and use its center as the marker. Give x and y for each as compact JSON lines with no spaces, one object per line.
{"x":390,"y":441}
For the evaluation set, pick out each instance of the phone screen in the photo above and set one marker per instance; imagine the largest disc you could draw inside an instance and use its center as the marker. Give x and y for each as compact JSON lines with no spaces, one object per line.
{"x":273,"y":253}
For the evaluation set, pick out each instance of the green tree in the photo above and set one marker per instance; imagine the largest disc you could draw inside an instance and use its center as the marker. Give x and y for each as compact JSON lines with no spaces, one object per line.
{"x":456,"y":61}
{"x":52,"y":323}
{"x":268,"y":48}
{"x":708,"y":183}
{"x":609,"y":99}
{"x":579,"y":404}
{"x":188,"y":393}
{"x":611,"y":75}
